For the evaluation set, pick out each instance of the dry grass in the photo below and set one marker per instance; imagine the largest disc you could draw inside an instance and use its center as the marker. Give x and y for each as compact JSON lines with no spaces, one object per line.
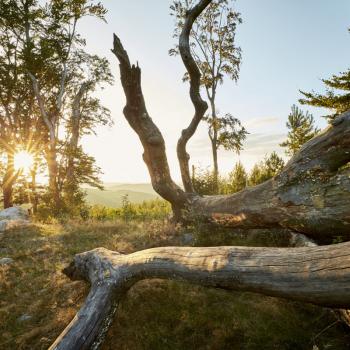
{"x":155,"y":314}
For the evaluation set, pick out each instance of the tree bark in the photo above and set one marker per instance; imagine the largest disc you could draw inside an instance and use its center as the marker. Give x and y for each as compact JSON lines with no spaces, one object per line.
{"x":299,"y":240}
{"x":51,"y":158}
{"x":9,"y":180}
{"x":317,"y":275}
{"x":214,"y":139}
{"x":310,"y":196}
{"x":151,"y":138}
{"x":215,"y":164}
{"x":34,"y":196}
{"x":199,"y":104}
{"x":75,"y":133}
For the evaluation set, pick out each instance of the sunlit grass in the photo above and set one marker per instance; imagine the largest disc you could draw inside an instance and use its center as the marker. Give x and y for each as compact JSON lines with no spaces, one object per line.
{"x":155,"y":314}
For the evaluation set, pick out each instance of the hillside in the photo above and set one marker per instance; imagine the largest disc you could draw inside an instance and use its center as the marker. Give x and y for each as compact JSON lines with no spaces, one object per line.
{"x":114,"y":192}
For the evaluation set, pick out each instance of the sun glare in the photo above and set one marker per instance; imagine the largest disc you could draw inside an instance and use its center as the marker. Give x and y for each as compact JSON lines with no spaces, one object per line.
{"x":23,"y":161}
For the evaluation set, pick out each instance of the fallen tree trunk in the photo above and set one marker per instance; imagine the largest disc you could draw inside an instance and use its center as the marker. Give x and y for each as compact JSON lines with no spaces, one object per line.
{"x":299,"y":240}
{"x":318,"y":275}
{"x":310,"y":196}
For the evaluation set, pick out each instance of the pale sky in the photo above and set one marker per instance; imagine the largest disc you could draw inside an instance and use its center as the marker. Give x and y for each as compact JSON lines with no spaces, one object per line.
{"x":287,"y":45}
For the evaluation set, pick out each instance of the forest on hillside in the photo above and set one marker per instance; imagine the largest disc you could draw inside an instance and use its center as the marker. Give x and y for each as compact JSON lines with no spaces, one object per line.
{"x":257,"y":257}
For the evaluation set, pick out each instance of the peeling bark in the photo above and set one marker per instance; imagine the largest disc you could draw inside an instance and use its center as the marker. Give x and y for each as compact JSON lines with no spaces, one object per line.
{"x":317,"y":275}
{"x":299,"y":240}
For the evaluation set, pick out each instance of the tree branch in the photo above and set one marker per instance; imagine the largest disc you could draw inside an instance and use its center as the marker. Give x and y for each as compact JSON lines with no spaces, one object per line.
{"x":317,"y":275}
{"x":199,"y":104}
{"x":151,"y":138}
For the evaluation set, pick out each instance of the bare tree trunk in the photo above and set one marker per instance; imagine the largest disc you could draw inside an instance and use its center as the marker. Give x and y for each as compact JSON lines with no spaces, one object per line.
{"x":214,"y":150}
{"x":34,"y":196}
{"x":310,"y":196}
{"x":52,"y":164}
{"x":75,"y":133}
{"x":214,"y":142}
{"x":151,"y":138}
{"x":9,"y":180}
{"x":317,"y":275}
{"x":199,"y":104}
{"x":72,"y":148}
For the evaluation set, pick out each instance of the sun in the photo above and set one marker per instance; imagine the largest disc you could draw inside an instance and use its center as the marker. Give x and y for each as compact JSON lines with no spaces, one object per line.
{"x":23,"y":161}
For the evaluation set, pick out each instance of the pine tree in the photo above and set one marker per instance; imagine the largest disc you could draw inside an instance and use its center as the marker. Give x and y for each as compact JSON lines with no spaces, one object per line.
{"x":265,"y":170}
{"x":336,"y":102}
{"x":302,"y":129}
{"x":238,"y":178}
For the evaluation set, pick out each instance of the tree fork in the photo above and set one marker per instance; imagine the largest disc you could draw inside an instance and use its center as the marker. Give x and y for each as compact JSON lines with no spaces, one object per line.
{"x":310,"y":196}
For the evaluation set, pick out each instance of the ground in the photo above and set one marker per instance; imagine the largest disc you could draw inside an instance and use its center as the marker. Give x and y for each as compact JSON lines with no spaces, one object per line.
{"x":37,"y":301}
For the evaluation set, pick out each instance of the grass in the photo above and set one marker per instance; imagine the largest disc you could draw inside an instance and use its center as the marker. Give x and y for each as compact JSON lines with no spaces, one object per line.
{"x":155,"y":314}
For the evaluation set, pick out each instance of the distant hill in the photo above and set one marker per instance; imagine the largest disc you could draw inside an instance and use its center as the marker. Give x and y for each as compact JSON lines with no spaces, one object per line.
{"x":114,"y":192}
{"x":139,"y":187}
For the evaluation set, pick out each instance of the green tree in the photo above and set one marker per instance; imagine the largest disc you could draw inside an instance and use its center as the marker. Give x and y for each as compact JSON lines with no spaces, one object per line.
{"x":203,"y":181}
{"x":336,"y":98}
{"x":237,"y":179}
{"x":216,"y":55}
{"x":18,"y":115}
{"x":301,"y":129}
{"x":265,"y":170}
{"x":62,"y":80}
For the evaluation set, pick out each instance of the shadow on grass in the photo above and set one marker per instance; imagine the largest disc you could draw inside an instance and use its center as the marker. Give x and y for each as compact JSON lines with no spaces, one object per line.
{"x":37,"y":301}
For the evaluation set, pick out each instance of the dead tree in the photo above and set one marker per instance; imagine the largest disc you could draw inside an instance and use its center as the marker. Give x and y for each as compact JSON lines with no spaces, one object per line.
{"x":199,"y":104}
{"x":318,"y":275}
{"x":310,"y":196}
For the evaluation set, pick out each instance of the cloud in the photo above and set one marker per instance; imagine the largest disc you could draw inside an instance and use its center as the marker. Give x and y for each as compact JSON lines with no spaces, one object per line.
{"x":261,"y":121}
{"x":260,"y":144}
{"x":257,"y":144}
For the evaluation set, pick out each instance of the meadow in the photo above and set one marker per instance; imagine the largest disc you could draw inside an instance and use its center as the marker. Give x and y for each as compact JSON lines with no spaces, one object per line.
{"x":38,"y":300}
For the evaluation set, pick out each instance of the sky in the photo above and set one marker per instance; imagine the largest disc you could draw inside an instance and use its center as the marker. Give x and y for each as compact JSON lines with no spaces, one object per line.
{"x":286,"y":46}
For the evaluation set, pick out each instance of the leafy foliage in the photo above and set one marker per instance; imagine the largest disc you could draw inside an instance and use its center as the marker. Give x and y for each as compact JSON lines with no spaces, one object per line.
{"x":213,"y":40}
{"x":336,"y":98}
{"x":265,"y":170}
{"x":301,"y":129}
{"x":148,"y":210}
{"x":216,"y":55}
{"x":228,"y":131}
{"x":204,"y":182}
{"x":237,"y":179}
{"x":52,"y":81}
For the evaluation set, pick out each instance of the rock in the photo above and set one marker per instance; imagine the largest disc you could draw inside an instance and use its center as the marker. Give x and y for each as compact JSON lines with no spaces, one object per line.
{"x":14,"y":213}
{"x":6,"y":261}
{"x":13,"y":217}
{"x":187,"y":238}
{"x":3,"y":225}
{"x":24,"y":317}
